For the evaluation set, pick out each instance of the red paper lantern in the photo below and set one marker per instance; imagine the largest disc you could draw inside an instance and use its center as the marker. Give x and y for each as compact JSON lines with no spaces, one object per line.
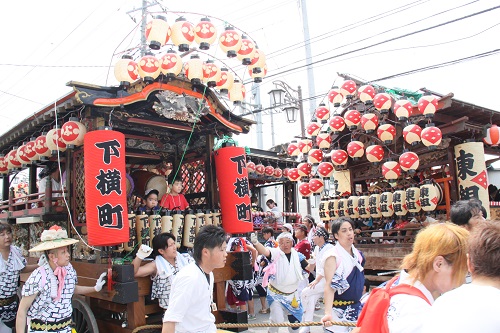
{"x":12,"y":161}
{"x":157,"y":32}
{"x":305,"y":190}
{"x":323,"y":140}
{"x":409,"y":161}
{"x":30,"y":150}
{"x":171,"y":64}
{"x":21,"y":155}
{"x":226,"y":80}
{"x":316,"y":185}
{"x":260,"y":169}
{"x":41,"y":146}
{"x":230,"y":41}
{"x":234,"y":199}
{"x":313,"y":128}
{"x":382,"y":102}
{"x":315,"y":156}
{"x":250,"y":167}
{"x":366,"y":94}
{"x":237,"y":92}
{"x":149,"y":67}
{"x":246,"y":51}
{"x":403,"y":109}
{"x":305,"y":145}
{"x":355,"y":149}
{"x":352,"y":119}
{"x":182,"y":34}
{"x":72,"y":132}
{"x":322,"y":113}
{"x":293,"y":149}
{"x":126,"y":70}
{"x":325,"y":169}
{"x":336,"y":124}
{"x":293,"y":174}
{"x":427,"y":105}
{"x":412,"y":133}
{"x":304,"y":169}
{"x":211,"y":73}
{"x":285,"y":172}
{"x":194,"y":69}
{"x":348,"y":88}
{"x":105,"y":201}
{"x":205,"y":33}
{"x":278,"y":173}
{"x":339,"y":157}
{"x":492,"y":137}
{"x":386,"y":133}
{"x":391,"y":170}
{"x":3,"y":166}
{"x":375,"y":153}
{"x":369,"y":122}
{"x":335,"y":96}
{"x":258,"y":61}
{"x":431,"y":136}
{"x":269,"y":171}
{"x":54,"y":140}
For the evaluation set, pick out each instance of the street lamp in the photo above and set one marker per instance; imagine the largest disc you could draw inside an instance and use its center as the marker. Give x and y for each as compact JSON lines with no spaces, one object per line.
{"x":289,"y":100}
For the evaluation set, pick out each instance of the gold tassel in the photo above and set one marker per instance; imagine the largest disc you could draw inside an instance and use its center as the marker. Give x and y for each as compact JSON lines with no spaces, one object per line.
{"x":295,"y":304}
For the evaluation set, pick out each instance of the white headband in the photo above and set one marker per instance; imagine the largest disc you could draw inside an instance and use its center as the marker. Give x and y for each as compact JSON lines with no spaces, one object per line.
{"x":285,"y":235}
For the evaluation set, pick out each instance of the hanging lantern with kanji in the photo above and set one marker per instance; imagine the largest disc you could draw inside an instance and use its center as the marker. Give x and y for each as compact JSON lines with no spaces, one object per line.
{"x":237,"y":92}
{"x":305,"y":145}
{"x":323,"y":210}
{"x":431,"y":136}
{"x":171,"y":64}
{"x":382,"y":102}
{"x":386,"y":204}
{"x":293,"y":174}
{"x":193,"y":69}
{"x":399,"y":202}
{"x":41,"y":147}
{"x":369,"y":122}
{"x":413,"y":199}
{"x":339,"y":157}
{"x":427,"y":105}
{"x":374,"y":204}
{"x":375,"y":154}
{"x":260,"y":169}
{"x":293,"y":149}
{"x":430,"y":195}
{"x":412,"y":133}
{"x":333,"y":206}
{"x":30,"y":150}
{"x":149,"y":67}
{"x":182,"y":34}
{"x":230,"y":41}
{"x":54,"y":141}
{"x":403,"y":109}
{"x":226,"y":80}
{"x":316,"y":185}
{"x":492,"y":137}
{"x":355,"y":149}
{"x":348,"y":88}
{"x":205,"y":33}
{"x":126,"y":71}
{"x":313,"y":128}
{"x":3,"y":165}
{"x":409,"y":161}
{"x":278,"y":173}
{"x":343,"y":208}
{"x":246,"y":51}
{"x":386,"y":133}
{"x":304,"y":169}
{"x":305,"y":190}
{"x":250,"y":167}
{"x":315,"y":156}
{"x":323,"y":140}
{"x":21,"y":155}
{"x":391,"y":170}
{"x":352,"y":119}
{"x":72,"y":132}
{"x":269,"y":171}
{"x":211,"y":73}
{"x":366,"y":94}
{"x":322,"y":113}
{"x":364,"y":207}
{"x":352,"y":207}
{"x":336,"y":124}
{"x":157,"y":32}
{"x":335,"y":96}
{"x":325,"y":169}
{"x":342,"y":181}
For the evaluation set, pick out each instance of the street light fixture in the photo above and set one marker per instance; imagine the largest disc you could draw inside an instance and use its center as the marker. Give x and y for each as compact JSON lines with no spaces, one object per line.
{"x":289,"y":100}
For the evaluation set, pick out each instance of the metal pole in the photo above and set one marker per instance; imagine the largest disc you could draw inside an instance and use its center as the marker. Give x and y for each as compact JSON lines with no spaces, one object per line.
{"x":258,"y":116}
{"x":143,"y":27}
{"x":302,"y":131}
{"x":272,"y":128}
{"x":307,"y":48}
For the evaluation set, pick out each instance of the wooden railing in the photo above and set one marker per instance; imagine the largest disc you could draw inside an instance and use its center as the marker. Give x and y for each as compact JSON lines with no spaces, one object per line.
{"x":382,"y":237}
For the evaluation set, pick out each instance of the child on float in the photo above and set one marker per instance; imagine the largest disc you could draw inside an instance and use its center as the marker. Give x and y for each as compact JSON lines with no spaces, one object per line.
{"x":150,"y":202}
{"x":167,"y":263}
{"x":175,"y":200}
{"x":48,"y":291}
{"x":12,"y":264}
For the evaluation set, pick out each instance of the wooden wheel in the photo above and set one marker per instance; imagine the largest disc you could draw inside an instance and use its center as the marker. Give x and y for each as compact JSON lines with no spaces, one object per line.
{"x":83,"y":318}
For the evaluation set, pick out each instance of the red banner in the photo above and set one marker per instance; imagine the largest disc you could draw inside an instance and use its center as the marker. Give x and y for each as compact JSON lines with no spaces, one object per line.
{"x":105,"y":188}
{"x":234,"y":192}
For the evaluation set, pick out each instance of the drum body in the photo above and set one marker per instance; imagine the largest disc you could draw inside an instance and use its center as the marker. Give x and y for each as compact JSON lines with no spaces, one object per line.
{"x":145,"y":180}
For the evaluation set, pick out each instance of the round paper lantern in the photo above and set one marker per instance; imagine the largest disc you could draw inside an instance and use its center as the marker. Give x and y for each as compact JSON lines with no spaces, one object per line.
{"x":72,"y":132}
{"x":409,"y":161}
{"x":391,"y":170}
{"x":352,"y":207}
{"x":226,"y":80}
{"x":126,"y":71}
{"x":305,"y":190}
{"x":315,"y":156}
{"x":339,"y":157}
{"x":193,"y":69}
{"x":293,"y":174}
{"x":403,"y":109}
{"x":342,"y":209}
{"x":237,"y":92}
{"x":323,"y":140}
{"x":205,"y":33}
{"x":182,"y":34}
{"x":30,"y":150}
{"x":246,"y":51}
{"x":355,"y":149}
{"x":412,"y":133}
{"x":157,"y":32}
{"x":12,"y":161}
{"x":431,"y":136}
{"x":278,"y":173}
{"x":293,"y":149}
{"x":316,"y":185}
{"x":375,"y":154}
{"x":260,"y":169}
{"x":21,"y":155}
{"x":333,"y":206}
{"x":171,"y":64}
{"x":251,"y":167}
{"x":54,"y":140}
{"x":382,"y":102}
{"x":285,"y":172}
{"x":386,"y":207}
{"x":492,"y":137}
{"x":374,"y":204}
{"x":211,"y":73}
{"x":257,"y":77}
{"x":386,"y":133}
{"x":322,"y":113}
{"x":313,"y":128}
{"x":352,"y":119}
{"x":399,"y":202}
{"x":325,"y":170}
{"x":3,"y":165}
{"x":366,"y":94}
{"x":305,"y":145}
{"x":348,"y":88}
{"x":430,"y":196}
{"x":427,"y":105}
{"x":304,"y":169}
{"x":369,"y":122}
{"x":258,"y":61}
{"x":230,"y":41}
{"x":323,"y":210}
{"x":335,"y":96}
{"x":269,"y":171}
{"x":148,"y":67}
{"x":41,"y":147}
{"x":336,"y":124}
{"x":364,"y":207}
{"x":413,"y":199}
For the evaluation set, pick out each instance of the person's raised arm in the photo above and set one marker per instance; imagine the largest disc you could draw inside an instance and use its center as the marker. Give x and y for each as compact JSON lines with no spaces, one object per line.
{"x":83,"y":290}
{"x":146,"y":270}
{"x":258,"y":246}
{"x":329,"y":270}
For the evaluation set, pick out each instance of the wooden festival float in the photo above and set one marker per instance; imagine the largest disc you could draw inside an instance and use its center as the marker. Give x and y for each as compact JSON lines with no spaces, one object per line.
{"x":378,"y":154}
{"x":168,"y":116}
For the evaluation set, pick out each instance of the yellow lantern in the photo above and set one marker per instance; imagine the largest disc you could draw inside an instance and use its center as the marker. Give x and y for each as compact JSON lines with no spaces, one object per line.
{"x":126,"y":71}
{"x":237,"y":92}
{"x":157,"y":32}
{"x":194,"y":69}
{"x":182,"y":34}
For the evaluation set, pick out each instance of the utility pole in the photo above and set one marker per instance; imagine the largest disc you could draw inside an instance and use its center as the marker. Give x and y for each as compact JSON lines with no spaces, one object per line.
{"x":143,"y":27}
{"x":258,"y":115}
{"x":307,"y":46}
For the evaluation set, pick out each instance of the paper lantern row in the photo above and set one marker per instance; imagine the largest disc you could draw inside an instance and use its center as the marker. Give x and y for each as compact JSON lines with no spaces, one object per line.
{"x":268,"y":171}
{"x":69,"y":135}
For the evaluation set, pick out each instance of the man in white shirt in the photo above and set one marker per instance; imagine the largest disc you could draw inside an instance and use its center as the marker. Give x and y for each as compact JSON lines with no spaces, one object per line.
{"x":191,"y":301}
{"x":277,"y":214}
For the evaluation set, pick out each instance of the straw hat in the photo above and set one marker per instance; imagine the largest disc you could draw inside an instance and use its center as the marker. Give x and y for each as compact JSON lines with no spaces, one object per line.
{"x":52,"y":239}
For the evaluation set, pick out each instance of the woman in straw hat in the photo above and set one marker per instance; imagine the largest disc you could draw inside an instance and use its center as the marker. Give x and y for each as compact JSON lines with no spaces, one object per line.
{"x":48,"y":291}
{"x":12,"y":263}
